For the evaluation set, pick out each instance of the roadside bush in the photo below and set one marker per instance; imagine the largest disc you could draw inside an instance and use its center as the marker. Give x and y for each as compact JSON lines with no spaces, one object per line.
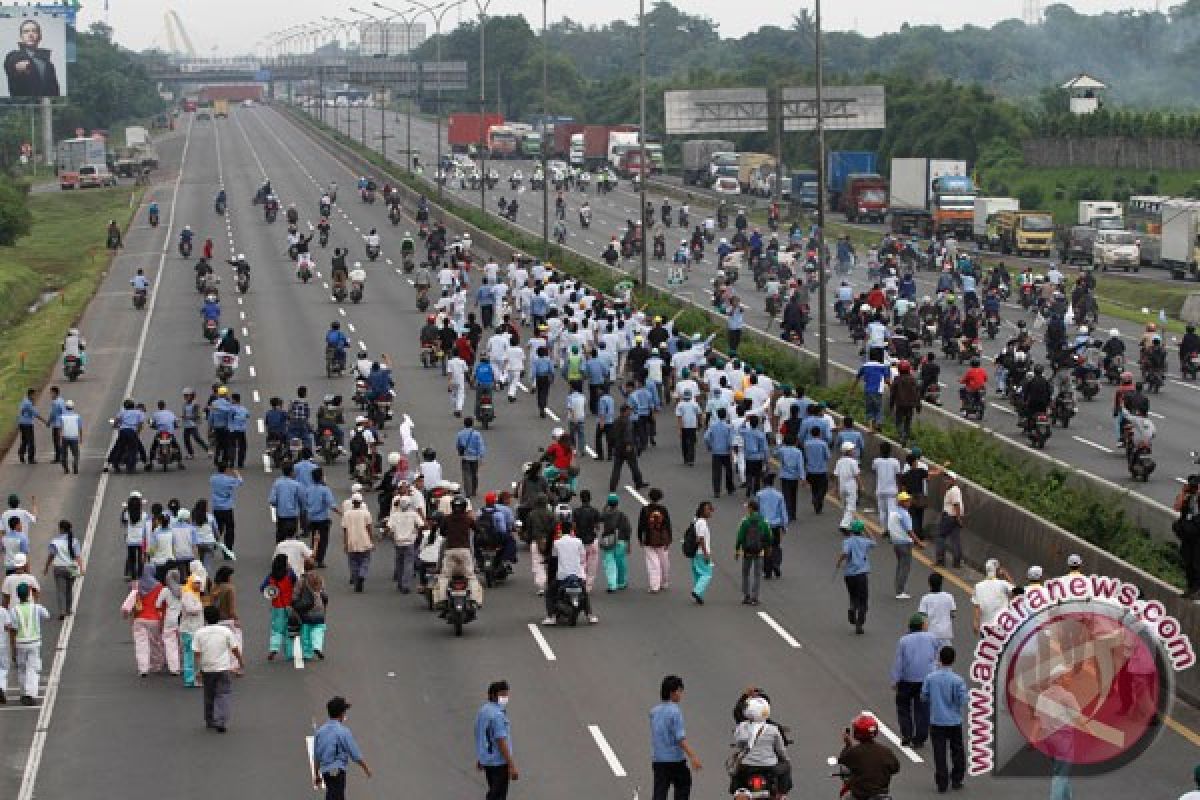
{"x":1030,"y":196}
{"x":15,"y":217}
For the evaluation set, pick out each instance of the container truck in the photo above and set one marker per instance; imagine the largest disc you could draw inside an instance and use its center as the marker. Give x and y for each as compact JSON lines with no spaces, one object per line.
{"x":596,"y":151}
{"x":697,"y":159}
{"x":1091,"y":209}
{"x":136,"y":135}
{"x":73,"y":154}
{"x":564,"y":135}
{"x":221,"y":107}
{"x":984,"y":231}
{"x":463,"y":131}
{"x":749,"y":162}
{"x":530,"y":144}
{"x":618,"y":139}
{"x":575,"y":156}
{"x":1026,"y":233}
{"x":932,"y":197}
{"x":839,"y":164}
{"x":1181,"y":237}
{"x":804,"y":188}
{"x":501,"y":142}
{"x":723,"y":165}
{"x":864,"y":197}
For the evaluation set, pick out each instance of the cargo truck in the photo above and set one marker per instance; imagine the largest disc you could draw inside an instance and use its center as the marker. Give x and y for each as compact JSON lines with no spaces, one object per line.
{"x":697,"y":159}
{"x":502,"y":142}
{"x":530,"y":144}
{"x":1181,"y":237}
{"x":136,"y":135}
{"x":747,"y":163}
{"x":985,"y":232}
{"x":220,"y":108}
{"x":864,"y":197}
{"x":73,"y":154}
{"x":1089,"y":210}
{"x":564,"y":136}
{"x":839,"y":164}
{"x":932,"y":197}
{"x":804,"y":188}
{"x":618,"y":142}
{"x":463,"y":130}
{"x":575,"y":156}
{"x":596,"y":151}
{"x":1026,"y":233}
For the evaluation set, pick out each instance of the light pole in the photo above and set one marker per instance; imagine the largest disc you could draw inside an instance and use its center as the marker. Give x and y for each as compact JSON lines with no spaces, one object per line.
{"x":482,"y":6}
{"x":407,"y":18}
{"x":337,"y":25}
{"x":383,"y":41}
{"x":642,"y":138}
{"x":545,"y":114}
{"x":438,"y":12}
{"x":822,"y":314}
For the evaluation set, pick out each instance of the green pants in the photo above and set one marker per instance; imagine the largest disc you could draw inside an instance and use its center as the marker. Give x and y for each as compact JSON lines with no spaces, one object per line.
{"x":189,"y":660}
{"x":702,"y":570}
{"x":312,"y":637}
{"x":616,"y":565}
{"x":279,"y":624}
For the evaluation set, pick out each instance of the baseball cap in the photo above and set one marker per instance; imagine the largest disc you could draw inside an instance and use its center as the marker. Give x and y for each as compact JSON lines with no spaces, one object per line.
{"x":614,"y":499}
{"x":858,"y":526}
{"x":847,"y":447}
{"x":356,"y":498}
{"x":900,"y":498}
{"x":1034,"y":573}
{"x":1074,"y":560}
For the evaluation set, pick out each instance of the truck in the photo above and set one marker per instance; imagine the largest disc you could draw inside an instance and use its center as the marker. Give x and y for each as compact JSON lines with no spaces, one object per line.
{"x":839,"y":164}
{"x":984,"y":231}
{"x":1026,"y":232}
{"x":73,"y":154}
{"x":220,"y":108}
{"x":804,"y":188}
{"x":596,"y":150}
{"x":464,"y":131}
{"x":575,"y":155}
{"x":1181,"y":237}
{"x":723,"y":165}
{"x":932,"y":197}
{"x":697,"y":159}
{"x":864,"y":197}
{"x":136,"y":135}
{"x":564,"y":135}
{"x":629,"y":162}
{"x":618,"y":139}
{"x":502,"y":142}
{"x":190,"y":104}
{"x":748,"y":163}
{"x":529,"y":143}
{"x":1089,"y":210}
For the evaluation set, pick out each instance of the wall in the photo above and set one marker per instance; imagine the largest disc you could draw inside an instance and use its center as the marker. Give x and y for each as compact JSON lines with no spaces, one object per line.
{"x":1113,"y":152}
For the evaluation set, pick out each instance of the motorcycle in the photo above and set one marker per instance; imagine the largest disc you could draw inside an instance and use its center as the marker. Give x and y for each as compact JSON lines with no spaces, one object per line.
{"x":328,"y":446}
{"x":1064,"y":406}
{"x":323,"y":238}
{"x":585,"y":220}
{"x":487,"y":409}
{"x":243,"y":281}
{"x":1026,"y":297}
{"x":277,"y":452}
{"x":185,"y":248}
{"x":1191,"y":366}
{"x":933,"y":394}
{"x":969,"y":351}
{"x":1088,"y":384}
{"x":409,"y":264}
{"x":72,"y":368}
{"x":356,"y":292}
{"x":339,"y":292}
{"x":325,"y":210}
{"x":226,"y":364}
{"x":304,"y":272}
{"x":1116,"y":365}
{"x":372,"y":251}
{"x":660,"y":249}
{"x":568,"y":602}
{"x":423,"y":302}
{"x":993,"y":325}
{"x":153,"y":219}
{"x":380,"y":410}
{"x":271,"y":213}
{"x":1137,"y":457}
{"x":293,"y":252}
{"x":219,"y":207}
{"x":759,"y":783}
{"x":334,"y":364}
{"x":974,"y":406}
{"x":1153,"y":378}
{"x":363,"y":470}
{"x":360,"y":394}
{"x":928,"y":333}
{"x":139,"y":299}
{"x":430,"y":355}
{"x":210,"y":330}
{"x":168,"y":452}
{"x":493,"y":566}
{"x":1038,"y":430}
{"x":460,"y":608}
{"x":394,"y":215}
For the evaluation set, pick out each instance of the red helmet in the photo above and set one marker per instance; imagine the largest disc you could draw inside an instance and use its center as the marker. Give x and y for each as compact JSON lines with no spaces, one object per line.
{"x":904,"y":366}
{"x":865,"y":727}
{"x":1127,"y":377}
{"x":431,"y":318}
{"x":489,"y":499}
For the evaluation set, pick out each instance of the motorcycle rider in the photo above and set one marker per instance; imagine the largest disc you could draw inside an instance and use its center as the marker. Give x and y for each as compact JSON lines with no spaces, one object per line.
{"x":1189,"y":345}
{"x":973,"y":381}
{"x":330,"y":416}
{"x":1114,"y":346}
{"x":74,"y":346}
{"x":1155,"y":357}
{"x":1141,"y":434}
{"x":211,"y":309}
{"x":140,"y":282}
{"x":337,"y":267}
{"x":293,"y":216}
{"x":113,"y":235}
{"x":1036,"y":395}
{"x":407,"y":246}
{"x":239,"y":264}
{"x":379,"y":380}
{"x":372,"y":242}
{"x":163,"y":420}
{"x":458,"y":528}
{"x":219,"y":203}
{"x":186,"y":236}
{"x":336,"y":340}
{"x":323,"y":229}
{"x":484,"y":378}
{"x":870,"y":765}
{"x":569,"y":557}
{"x":229,"y":343}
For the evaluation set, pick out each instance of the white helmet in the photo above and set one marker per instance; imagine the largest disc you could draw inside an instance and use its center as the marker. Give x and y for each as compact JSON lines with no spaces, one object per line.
{"x":73,"y":332}
{"x":757,"y":709}
{"x":357,"y":264}
{"x":393,"y":459}
{"x":1083,"y":329}
{"x":241,"y":257}
{"x":865,"y":308}
{"x":1114,"y":332}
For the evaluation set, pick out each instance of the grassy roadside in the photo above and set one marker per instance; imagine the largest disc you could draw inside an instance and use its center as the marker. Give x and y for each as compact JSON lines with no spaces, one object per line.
{"x":64,"y":253}
{"x":1094,"y":515}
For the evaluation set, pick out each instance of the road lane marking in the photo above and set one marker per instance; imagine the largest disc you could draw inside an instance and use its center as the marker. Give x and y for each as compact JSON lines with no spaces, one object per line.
{"x":267,"y":465}
{"x":1090,"y":443}
{"x":1191,"y":386}
{"x":895,"y":740}
{"x":245,"y":332}
{"x":550,"y":413}
{"x":590,"y":451}
{"x":637,"y":495}
{"x":242,"y":315}
{"x":252,"y":373}
{"x":342,"y":311}
{"x":248,"y":351}
{"x":542,"y":643}
{"x":1004,"y":409}
{"x":775,"y":626}
{"x":362,"y":345}
{"x":261,"y":428}
{"x":350,"y":325}
{"x":1156,"y":415}
{"x":614,"y":763}
{"x":257,"y":399}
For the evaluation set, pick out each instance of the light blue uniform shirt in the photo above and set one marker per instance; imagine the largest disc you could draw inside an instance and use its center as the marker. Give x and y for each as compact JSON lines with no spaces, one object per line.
{"x":26,"y":413}
{"x":130,"y":419}
{"x":719,"y":438}
{"x":947,"y":696}
{"x":163,"y":420}
{"x":491,"y":724}
{"x":470,"y":443}
{"x":666,"y":732}
{"x":334,"y":747}
{"x":218,"y":414}
{"x":606,"y":409}
{"x":303,"y":470}
{"x":857,"y":550}
{"x":318,"y":502}
{"x":239,"y":417}
{"x":223,"y":488}
{"x":791,"y":463}
{"x":688,"y":412}
{"x":286,"y":496}
{"x":57,"y":407}
{"x":772,"y":507}
{"x":755,"y":443}
{"x":816,"y":455}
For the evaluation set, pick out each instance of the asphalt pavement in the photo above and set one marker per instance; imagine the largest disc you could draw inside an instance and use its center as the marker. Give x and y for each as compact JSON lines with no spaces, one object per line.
{"x":580,"y":696}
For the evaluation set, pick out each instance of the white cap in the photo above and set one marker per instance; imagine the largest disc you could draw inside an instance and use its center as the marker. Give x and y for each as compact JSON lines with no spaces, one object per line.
{"x":393,"y":459}
{"x":136,"y":493}
{"x":991,"y":567}
{"x":70,"y":404}
{"x":356,"y":498}
{"x":1074,"y":560}
{"x":356,"y":488}
{"x":184,"y":515}
{"x":1034,"y":573}
{"x":20,"y":560}
{"x":847,"y":447}
{"x":557,"y":432}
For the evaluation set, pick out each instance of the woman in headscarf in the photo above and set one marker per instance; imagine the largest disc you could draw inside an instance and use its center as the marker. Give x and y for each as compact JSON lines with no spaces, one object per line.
{"x":279,"y":586}
{"x":310,"y":602}
{"x":170,"y":600}
{"x":223,"y":597}
{"x":191,"y":619}
{"x":206,"y":533}
{"x":147,"y":622}
{"x":136,"y":522}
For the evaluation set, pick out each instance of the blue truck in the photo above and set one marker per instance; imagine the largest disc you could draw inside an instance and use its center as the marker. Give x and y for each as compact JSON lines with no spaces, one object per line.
{"x":841,"y":163}
{"x":804,"y":188}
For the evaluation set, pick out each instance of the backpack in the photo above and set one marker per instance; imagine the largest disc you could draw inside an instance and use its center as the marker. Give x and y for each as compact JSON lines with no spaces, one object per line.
{"x":754,"y":541}
{"x":485,"y":527}
{"x":305,"y":599}
{"x":691,"y":542}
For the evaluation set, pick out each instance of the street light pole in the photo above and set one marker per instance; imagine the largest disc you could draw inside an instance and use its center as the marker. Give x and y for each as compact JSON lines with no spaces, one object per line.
{"x":406,"y":17}
{"x":433,"y":11}
{"x":545,"y":114}
{"x":823,"y":311}
{"x":482,"y":6}
{"x":642,"y":138}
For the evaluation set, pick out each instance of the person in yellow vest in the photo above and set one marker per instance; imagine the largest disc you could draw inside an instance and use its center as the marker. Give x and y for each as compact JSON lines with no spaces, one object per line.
{"x":25,"y":620}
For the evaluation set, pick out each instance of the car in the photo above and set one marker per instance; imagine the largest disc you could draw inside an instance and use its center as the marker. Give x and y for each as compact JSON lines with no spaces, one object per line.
{"x":96,"y":176}
{"x":726,"y":185}
{"x":1116,"y":249}
{"x":247,"y":103}
{"x":203,"y":114}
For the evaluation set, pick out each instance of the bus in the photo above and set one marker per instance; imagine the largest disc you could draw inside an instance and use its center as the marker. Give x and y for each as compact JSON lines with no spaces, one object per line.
{"x":1143,"y":216}
{"x":501,"y":142}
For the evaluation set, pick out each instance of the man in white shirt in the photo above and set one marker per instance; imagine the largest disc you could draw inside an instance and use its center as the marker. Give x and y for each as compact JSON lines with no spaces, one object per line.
{"x":887,"y":468}
{"x":514,"y":365}
{"x":950,"y":525}
{"x":991,"y":594}
{"x":939,"y":608}
{"x":849,"y":483}
{"x":497,"y":349}
{"x":72,"y":433}
{"x":571,"y":556}
{"x":216,"y":647}
{"x":456,"y":373}
{"x":28,"y":519}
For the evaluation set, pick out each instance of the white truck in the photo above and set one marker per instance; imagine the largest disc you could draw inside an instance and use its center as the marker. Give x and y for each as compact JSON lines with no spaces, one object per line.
{"x":1091,"y":209}
{"x":931,"y":196}
{"x":618,"y":140}
{"x":1181,"y":237}
{"x":697,"y":159}
{"x":985,"y":235}
{"x":136,"y":136}
{"x":575,"y":154}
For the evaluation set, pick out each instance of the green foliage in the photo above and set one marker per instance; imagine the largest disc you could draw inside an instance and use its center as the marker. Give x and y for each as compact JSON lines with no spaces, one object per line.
{"x":1031,"y":195}
{"x":107,"y":84}
{"x":15,"y":216}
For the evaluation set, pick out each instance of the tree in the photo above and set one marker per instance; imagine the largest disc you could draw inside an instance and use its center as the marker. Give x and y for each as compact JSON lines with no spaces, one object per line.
{"x":1030,"y":196}
{"x":15,"y":217}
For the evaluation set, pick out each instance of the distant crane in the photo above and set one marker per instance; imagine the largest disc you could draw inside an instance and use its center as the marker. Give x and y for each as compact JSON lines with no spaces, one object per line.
{"x":174,"y":26}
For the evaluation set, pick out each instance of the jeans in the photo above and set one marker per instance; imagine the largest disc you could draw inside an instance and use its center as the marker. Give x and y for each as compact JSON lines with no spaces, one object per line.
{"x":616,"y":565}
{"x":403,"y":571}
{"x":722,"y":465}
{"x":751,"y":576}
{"x":335,"y":785}
{"x":542,"y":384}
{"x":602,"y":432}
{"x":903,"y":551}
{"x":133,"y":561}
{"x":320,"y":534}
{"x":358,"y":563}
{"x":618,"y":460}
{"x":190,"y":435}
{"x":773,"y":560}
{"x":218,"y":698}
{"x":702,"y":571}
{"x":943,"y":737}
{"x":791,"y":490}
{"x":668,"y":774}
{"x":470,"y":475}
{"x":754,"y":473}
{"x":874,"y":403}
{"x":912,"y":712}
{"x":579,"y":436}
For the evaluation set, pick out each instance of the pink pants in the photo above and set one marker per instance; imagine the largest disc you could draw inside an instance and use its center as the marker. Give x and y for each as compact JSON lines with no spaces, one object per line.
{"x":170,"y":640}
{"x":658,"y":567}
{"x":148,"y":645}
{"x":539,"y":566}
{"x":593,"y":564}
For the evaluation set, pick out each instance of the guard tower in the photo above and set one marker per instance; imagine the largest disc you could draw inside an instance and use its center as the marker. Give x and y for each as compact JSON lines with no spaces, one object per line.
{"x":1085,"y":93}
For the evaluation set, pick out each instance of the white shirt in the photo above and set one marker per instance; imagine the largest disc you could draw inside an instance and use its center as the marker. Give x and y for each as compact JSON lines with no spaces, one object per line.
{"x":213,"y":646}
{"x":570,"y":552}
{"x":296,"y":551}
{"x":498,"y":347}
{"x":886,"y":470}
{"x":71,"y":425}
{"x":514,"y":358}
{"x":11,"y":582}
{"x":938,"y":608}
{"x":846,"y":471}
{"x":456,"y":368}
{"x":432,"y":472}
{"x":703,"y":537}
{"x":952,"y":498}
{"x":27,"y":520}
{"x":991,"y":595}
{"x":576,"y":407}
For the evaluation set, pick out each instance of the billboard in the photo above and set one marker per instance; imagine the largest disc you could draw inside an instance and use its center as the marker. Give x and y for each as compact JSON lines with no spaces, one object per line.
{"x":35,"y":61}
{"x":713,"y":111}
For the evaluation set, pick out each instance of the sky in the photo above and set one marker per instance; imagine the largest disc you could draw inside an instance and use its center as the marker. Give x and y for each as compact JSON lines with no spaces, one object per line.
{"x":231,"y":27}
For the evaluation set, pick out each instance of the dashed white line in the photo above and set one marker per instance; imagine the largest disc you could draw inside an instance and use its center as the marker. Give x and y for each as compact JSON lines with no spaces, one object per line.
{"x":248,"y":351}
{"x":245,"y":332}
{"x":895,"y":740}
{"x":637,"y":495}
{"x":324,"y":284}
{"x":253,"y":374}
{"x":362,"y":345}
{"x":775,"y":626}
{"x":1090,"y":443}
{"x":542,"y":643}
{"x":256,"y":396}
{"x":1156,"y":415}
{"x":588,"y":449}
{"x":350,"y":325}
{"x":1004,"y":409}
{"x":266,"y":464}
{"x":550,"y":413}
{"x":239,"y":301}
{"x":342,"y":311}
{"x":243,"y":315}
{"x":1191,"y":386}
{"x":261,"y":428}
{"x":614,"y":763}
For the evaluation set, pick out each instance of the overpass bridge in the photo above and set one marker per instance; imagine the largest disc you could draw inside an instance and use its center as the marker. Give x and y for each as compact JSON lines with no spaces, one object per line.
{"x":397,"y":75}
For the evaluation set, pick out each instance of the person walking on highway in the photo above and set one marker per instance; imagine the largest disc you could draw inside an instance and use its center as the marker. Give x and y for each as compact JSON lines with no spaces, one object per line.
{"x":949,"y":534}
{"x":946,"y":693}
{"x":318,"y":504}
{"x":27,"y":413}
{"x":287,"y":499}
{"x":903,"y":537}
{"x":753,"y":542}
{"x":719,"y":441}
{"x":687,"y":416}
{"x":916,"y":657}
{"x":471,"y":450}
{"x":216,"y":647}
{"x":623,"y":445}
{"x":25,"y":623}
{"x":356,"y":539}
{"x":654,"y":534}
{"x":65,"y":558}
{"x":702,"y":566}
{"x":493,"y":742}
{"x":939,"y":608}
{"x":849,"y":483}
{"x":333,"y":750}
{"x":816,"y":466}
{"x":279,"y":586}
{"x":855,"y":564}
{"x":614,"y":544}
{"x":670,"y":752}
{"x":71,"y":433}
{"x":223,"y":485}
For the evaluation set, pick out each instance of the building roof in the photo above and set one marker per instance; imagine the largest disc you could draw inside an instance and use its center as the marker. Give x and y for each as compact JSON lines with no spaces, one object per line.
{"x":1084,"y":81}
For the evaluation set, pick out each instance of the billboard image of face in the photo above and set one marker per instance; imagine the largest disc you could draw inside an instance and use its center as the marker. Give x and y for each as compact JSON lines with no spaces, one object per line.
{"x":36,"y":66}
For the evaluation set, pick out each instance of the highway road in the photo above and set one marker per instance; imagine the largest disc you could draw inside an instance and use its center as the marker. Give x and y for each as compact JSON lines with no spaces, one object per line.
{"x":1089,"y":444}
{"x":579,"y":696}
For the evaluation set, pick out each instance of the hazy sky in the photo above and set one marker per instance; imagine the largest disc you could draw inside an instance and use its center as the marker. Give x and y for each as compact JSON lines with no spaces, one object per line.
{"x":234,"y":26}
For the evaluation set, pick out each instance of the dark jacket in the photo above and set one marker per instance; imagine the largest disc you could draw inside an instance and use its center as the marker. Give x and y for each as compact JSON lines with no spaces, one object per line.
{"x":31,"y":82}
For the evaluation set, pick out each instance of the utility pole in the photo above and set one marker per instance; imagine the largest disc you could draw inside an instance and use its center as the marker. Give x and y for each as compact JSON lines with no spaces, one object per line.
{"x":642,"y":140}
{"x":482,"y":6}
{"x":545,"y":113}
{"x":822,"y":305}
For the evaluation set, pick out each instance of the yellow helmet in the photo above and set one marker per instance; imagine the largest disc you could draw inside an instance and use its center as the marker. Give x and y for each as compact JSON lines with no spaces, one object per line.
{"x":739,"y":396}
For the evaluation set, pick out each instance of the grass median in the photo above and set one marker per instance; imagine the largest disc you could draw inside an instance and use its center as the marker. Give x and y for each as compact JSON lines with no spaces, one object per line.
{"x":1092,"y":514}
{"x":46,"y":280}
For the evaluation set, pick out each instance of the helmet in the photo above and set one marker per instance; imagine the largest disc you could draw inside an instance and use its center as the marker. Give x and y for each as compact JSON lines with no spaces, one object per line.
{"x":904,"y":366}
{"x":1074,"y":560}
{"x":335,"y":325}
{"x":1114,"y":332}
{"x":222,"y":391}
{"x":393,"y":459}
{"x":241,"y":257}
{"x":489,"y":499}
{"x":1083,"y":329}
{"x":757,"y":709}
{"x":1157,"y":340}
{"x":459,"y":503}
{"x":362,"y":354}
{"x":73,"y":332}
{"x":212,"y":298}
{"x":1021,"y":325}
{"x":357,"y":264}
{"x":429,"y":454}
{"x":864,"y":308}
{"x":557,"y":432}
{"x":430,"y":317}
{"x":1038,"y":369}
{"x":562,"y":511}
{"x":865,"y":727}
{"x":188,"y":390}
{"x":926,"y":299}
{"x":407,"y":235}
{"x":70,"y":404}
{"x":1126,"y":377}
